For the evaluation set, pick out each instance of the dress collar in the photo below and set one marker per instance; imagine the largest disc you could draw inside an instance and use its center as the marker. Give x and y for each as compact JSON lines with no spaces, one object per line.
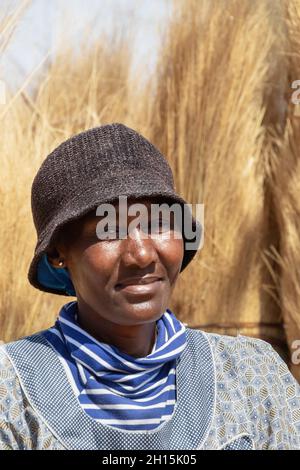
{"x":107,"y":361}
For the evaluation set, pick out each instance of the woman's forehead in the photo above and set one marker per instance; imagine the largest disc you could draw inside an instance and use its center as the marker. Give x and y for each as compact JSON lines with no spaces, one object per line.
{"x":147,"y":201}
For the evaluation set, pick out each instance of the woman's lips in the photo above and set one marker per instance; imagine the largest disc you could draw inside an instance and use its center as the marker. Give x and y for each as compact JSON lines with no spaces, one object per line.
{"x":142,"y":286}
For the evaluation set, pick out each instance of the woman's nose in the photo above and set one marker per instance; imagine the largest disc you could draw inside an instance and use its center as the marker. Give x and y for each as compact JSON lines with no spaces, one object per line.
{"x":138,"y":248}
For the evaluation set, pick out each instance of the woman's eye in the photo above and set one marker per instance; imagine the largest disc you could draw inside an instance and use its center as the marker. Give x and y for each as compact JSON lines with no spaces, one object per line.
{"x":160,"y":226}
{"x":112,"y":234}
{"x":107,"y":234}
{"x":91,"y":235}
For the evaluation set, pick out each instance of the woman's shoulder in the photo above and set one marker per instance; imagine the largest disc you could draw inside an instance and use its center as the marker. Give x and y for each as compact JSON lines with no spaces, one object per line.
{"x":250,"y":358}
{"x":10,"y":387}
{"x":12,"y":405}
{"x":20,"y":426}
{"x":8,"y":376}
{"x":240,"y":347}
{"x":236,"y":342}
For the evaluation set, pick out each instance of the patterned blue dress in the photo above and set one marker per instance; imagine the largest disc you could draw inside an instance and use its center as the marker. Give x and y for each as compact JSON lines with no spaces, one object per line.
{"x":232,"y":393}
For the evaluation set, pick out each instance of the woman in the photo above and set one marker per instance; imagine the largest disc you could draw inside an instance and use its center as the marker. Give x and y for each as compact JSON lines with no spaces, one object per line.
{"x":118,"y":370}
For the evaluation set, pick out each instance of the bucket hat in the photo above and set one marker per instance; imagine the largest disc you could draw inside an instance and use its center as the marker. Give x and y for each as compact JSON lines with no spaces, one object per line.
{"x":93,"y":167}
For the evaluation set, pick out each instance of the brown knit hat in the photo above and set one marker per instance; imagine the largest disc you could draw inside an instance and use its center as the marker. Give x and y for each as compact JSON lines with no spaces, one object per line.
{"x":90,"y":168}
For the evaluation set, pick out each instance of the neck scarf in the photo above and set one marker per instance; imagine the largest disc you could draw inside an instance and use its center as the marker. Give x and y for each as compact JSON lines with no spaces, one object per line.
{"x":113,"y":387}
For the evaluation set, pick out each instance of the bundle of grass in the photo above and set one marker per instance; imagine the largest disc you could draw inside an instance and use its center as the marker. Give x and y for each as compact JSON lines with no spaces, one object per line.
{"x":208,"y":116}
{"x":69,"y":93}
{"x":284,"y":175}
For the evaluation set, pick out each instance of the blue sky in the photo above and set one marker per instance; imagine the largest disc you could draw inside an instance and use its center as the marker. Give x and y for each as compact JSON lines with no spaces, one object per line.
{"x":44,"y":19}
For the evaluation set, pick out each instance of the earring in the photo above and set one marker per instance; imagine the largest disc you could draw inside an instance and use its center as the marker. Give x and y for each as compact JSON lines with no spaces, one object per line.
{"x":60,"y":263}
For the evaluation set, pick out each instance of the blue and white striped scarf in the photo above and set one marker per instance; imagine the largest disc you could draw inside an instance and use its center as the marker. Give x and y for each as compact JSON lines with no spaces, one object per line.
{"x":113,"y":387}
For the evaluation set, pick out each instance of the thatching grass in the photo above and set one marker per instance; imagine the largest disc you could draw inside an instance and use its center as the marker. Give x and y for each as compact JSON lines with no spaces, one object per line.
{"x":284,"y":175}
{"x":74,"y":92}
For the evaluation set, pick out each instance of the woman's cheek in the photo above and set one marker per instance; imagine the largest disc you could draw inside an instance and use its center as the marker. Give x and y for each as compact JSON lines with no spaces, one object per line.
{"x":171,"y":249}
{"x":101,"y":257}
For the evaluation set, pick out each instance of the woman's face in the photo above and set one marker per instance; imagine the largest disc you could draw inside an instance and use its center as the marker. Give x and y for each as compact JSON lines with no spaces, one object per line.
{"x":101,"y":269}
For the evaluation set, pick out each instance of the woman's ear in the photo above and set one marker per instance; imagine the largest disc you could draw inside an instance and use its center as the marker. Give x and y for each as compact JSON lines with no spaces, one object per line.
{"x":54,"y":257}
{"x":55,"y":253}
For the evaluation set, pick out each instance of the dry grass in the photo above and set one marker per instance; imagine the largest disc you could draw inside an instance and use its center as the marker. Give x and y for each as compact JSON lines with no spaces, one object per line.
{"x":284,"y":174}
{"x":73,"y":92}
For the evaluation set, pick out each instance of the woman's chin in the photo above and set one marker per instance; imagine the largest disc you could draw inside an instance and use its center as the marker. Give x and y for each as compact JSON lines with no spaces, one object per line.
{"x":143,"y":312}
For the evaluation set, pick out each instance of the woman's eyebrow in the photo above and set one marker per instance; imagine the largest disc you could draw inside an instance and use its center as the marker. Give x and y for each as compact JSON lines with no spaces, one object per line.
{"x":93,"y":218}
